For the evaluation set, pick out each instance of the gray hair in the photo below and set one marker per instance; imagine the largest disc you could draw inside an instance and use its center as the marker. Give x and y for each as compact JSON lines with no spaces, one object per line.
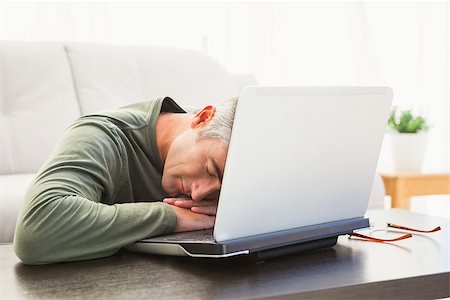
{"x":222,"y":122}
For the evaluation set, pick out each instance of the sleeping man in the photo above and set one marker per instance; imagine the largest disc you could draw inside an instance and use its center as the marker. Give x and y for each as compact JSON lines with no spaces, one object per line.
{"x":116,"y":177}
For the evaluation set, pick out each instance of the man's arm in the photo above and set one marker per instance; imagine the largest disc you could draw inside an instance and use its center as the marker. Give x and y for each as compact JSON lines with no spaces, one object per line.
{"x":63,"y":219}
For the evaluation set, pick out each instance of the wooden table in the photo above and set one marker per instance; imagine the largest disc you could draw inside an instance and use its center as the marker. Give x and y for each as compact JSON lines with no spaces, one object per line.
{"x":414,"y":268}
{"x":401,"y":187}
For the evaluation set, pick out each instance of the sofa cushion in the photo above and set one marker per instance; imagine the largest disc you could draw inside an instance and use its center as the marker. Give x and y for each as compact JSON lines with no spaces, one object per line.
{"x":191,"y":77}
{"x":12,"y":192}
{"x":37,"y":102}
{"x":109,"y":76}
{"x":105,"y":76}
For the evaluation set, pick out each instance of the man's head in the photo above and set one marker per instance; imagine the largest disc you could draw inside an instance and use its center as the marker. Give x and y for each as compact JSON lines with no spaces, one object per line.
{"x":196,"y":158}
{"x":221,"y":123}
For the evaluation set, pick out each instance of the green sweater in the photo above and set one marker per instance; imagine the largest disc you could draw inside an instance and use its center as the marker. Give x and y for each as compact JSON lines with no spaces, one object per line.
{"x":100,"y":190}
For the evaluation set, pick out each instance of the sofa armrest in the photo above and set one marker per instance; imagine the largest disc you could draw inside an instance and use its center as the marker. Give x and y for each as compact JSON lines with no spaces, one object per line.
{"x":378,"y":192}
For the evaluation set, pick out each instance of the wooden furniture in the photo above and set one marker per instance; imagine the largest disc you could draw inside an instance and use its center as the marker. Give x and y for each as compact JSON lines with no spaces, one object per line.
{"x":353,"y":269}
{"x":401,"y":187}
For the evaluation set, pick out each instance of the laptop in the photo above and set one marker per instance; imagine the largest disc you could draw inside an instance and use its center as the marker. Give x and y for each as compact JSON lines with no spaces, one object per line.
{"x":298,"y":174}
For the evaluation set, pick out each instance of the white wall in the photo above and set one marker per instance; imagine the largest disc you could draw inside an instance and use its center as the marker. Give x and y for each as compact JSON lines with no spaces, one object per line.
{"x":401,"y":44}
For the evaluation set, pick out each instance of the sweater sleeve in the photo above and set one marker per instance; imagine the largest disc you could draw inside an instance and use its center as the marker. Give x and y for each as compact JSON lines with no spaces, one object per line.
{"x":63,"y":218}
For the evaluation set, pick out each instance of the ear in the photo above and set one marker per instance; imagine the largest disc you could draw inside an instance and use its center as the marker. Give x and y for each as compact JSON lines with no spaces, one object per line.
{"x":203,"y":117}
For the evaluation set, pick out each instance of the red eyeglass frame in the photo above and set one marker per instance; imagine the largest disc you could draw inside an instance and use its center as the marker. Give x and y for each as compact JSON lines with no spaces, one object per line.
{"x":392,"y":225}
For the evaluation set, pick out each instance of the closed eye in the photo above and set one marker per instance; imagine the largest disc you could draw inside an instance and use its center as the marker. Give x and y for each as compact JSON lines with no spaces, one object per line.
{"x":209,"y":169}
{"x":217,"y":172}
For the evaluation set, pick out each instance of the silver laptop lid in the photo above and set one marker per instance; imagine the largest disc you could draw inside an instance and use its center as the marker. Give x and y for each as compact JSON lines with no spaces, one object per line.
{"x":300,"y":156}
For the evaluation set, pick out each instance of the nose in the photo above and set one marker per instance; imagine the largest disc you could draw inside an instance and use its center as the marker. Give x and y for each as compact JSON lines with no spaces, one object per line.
{"x":205,"y":189}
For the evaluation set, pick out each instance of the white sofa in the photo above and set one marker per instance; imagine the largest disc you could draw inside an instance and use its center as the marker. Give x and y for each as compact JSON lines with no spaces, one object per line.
{"x":44,"y":86}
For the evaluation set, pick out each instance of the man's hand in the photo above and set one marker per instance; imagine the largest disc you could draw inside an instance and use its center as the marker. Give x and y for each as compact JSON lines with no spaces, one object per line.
{"x":190,"y":221}
{"x":207,"y":207}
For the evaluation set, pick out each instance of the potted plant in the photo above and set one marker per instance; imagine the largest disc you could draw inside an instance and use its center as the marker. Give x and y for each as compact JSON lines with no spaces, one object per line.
{"x":408,"y":137}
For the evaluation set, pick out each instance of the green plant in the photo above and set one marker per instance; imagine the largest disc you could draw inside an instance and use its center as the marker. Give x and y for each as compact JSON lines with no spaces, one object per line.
{"x":406,"y":122}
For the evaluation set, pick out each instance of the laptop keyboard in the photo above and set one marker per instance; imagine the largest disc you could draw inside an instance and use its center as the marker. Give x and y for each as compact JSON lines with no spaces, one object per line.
{"x":191,"y":236}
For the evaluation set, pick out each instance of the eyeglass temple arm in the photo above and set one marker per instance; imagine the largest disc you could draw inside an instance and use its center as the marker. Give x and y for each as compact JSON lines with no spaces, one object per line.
{"x":373,"y":239}
{"x":412,"y":229}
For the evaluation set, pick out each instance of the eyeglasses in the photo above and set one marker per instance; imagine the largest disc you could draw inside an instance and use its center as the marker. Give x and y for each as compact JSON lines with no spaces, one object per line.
{"x":391,"y":225}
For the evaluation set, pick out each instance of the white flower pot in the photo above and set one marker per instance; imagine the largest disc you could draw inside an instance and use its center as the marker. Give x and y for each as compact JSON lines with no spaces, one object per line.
{"x":408,"y":151}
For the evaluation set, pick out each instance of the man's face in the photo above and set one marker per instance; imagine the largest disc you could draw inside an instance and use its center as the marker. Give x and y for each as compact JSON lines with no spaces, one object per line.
{"x":194,"y":167}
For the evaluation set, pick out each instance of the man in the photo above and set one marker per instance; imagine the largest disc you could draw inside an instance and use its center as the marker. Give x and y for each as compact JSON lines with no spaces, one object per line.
{"x":144,"y":170}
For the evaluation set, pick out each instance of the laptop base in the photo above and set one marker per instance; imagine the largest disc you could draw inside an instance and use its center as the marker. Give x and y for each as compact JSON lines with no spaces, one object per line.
{"x":287,"y":250}
{"x":259,"y":247}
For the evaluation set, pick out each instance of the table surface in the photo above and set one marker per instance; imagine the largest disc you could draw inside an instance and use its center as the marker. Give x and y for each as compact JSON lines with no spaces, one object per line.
{"x":402,"y":186}
{"x":414,"y":268}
